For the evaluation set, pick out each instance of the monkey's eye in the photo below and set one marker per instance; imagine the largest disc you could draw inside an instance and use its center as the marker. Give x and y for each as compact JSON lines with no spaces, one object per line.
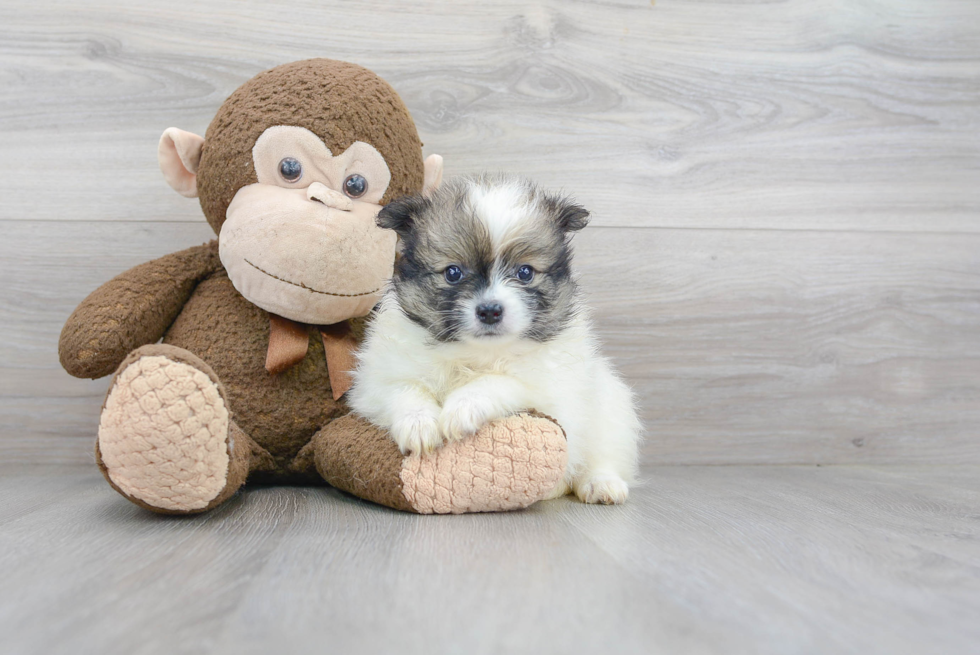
{"x":355,"y":185}
{"x":525,"y":273}
{"x":290,"y":169}
{"x":453,"y":274}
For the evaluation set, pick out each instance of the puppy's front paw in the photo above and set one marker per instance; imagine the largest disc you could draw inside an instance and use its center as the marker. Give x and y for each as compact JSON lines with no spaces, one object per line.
{"x":416,"y":433}
{"x":603,"y":489}
{"x":463,"y":414}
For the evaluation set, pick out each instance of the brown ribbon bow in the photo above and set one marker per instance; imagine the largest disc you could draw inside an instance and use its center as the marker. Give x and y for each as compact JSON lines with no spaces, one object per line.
{"x":289,"y":341}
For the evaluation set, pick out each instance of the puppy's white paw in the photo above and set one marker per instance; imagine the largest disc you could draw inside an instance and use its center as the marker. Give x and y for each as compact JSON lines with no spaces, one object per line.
{"x":463,"y":414}
{"x":416,"y":433}
{"x":603,"y":489}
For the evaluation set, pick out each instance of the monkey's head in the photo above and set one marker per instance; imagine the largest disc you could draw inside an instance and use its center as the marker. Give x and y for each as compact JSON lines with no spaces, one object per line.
{"x":292,"y":173}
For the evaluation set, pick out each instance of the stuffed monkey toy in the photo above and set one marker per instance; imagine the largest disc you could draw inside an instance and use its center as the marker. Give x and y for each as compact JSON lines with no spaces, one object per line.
{"x":231,"y":358}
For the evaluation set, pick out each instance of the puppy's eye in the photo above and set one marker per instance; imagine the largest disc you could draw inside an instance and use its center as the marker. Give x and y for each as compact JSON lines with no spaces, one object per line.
{"x":453,"y":274}
{"x":290,"y":169}
{"x":525,"y":273}
{"x":355,"y":185}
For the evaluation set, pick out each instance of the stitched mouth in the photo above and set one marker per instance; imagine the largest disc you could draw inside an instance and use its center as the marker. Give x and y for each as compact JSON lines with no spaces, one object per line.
{"x":310,"y":289}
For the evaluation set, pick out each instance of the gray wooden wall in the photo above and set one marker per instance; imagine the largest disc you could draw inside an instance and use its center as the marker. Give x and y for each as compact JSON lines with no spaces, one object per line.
{"x":785,"y":254}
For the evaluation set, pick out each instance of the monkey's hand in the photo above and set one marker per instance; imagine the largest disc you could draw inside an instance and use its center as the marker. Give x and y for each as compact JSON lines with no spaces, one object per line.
{"x":133,"y":309}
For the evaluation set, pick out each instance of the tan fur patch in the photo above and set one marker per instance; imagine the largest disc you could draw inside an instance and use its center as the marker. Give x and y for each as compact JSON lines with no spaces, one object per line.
{"x":163,"y":434}
{"x":508,"y":464}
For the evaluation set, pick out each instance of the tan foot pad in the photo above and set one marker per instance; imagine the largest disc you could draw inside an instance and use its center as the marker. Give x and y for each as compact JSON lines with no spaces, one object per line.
{"x":509,"y":464}
{"x":163,"y":435}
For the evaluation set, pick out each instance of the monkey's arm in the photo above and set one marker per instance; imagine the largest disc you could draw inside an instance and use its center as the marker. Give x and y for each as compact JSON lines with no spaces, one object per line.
{"x":132,"y":309}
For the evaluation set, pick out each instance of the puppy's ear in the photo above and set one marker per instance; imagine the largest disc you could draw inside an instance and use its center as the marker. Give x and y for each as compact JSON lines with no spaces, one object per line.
{"x":399,"y":215}
{"x":569,"y":216}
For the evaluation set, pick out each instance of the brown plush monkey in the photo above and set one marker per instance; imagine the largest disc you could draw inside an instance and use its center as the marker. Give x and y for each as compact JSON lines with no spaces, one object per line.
{"x":258,"y":328}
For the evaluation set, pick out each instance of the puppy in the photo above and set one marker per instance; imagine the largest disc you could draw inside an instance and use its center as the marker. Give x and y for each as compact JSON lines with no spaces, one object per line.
{"x":482,"y":320}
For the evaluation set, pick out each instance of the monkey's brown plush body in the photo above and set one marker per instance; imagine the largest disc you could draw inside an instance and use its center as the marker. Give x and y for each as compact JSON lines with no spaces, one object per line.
{"x":247,"y":382}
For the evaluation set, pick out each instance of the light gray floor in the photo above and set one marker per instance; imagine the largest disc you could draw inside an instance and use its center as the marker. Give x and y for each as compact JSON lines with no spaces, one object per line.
{"x":725,"y":559}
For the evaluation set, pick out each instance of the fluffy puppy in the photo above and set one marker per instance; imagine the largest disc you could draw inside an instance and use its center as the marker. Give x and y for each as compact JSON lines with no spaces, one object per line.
{"x":483,"y":319}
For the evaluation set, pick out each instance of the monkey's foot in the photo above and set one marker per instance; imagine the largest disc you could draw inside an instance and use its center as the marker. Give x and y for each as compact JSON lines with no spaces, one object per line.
{"x":508,"y":464}
{"x":164,"y":435}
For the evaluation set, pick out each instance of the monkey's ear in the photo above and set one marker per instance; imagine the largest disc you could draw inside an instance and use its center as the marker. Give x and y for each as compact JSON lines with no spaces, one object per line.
{"x":399,"y":215}
{"x":179,"y":154}
{"x":570,"y":216}
{"x":433,"y":174}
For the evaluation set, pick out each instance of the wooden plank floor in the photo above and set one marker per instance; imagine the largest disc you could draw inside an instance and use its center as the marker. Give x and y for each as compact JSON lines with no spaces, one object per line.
{"x":763,"y":559}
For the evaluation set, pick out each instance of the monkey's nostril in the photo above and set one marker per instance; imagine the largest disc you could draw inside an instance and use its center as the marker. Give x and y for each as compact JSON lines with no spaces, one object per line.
{"x":490,"y":313}
{"x":324,"y":195}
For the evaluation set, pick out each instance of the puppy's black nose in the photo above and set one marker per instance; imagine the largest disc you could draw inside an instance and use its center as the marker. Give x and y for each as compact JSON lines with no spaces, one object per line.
{"x":490,"y":313}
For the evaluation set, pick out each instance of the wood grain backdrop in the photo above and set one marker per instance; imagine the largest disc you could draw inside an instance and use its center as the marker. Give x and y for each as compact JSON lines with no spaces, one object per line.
{"x":786,"y":247}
